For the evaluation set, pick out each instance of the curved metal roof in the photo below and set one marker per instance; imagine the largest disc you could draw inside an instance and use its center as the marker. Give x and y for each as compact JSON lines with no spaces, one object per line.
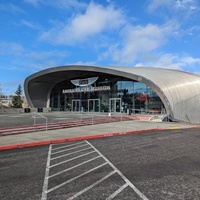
{"x":178,"y":90}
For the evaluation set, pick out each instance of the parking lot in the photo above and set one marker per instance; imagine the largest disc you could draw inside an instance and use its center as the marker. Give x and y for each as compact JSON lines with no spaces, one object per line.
{"x":154,"y":165}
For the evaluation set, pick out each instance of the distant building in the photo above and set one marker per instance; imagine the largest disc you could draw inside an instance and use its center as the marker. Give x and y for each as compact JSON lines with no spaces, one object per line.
{"x":6,"y":102}
{"x":116,"y":89}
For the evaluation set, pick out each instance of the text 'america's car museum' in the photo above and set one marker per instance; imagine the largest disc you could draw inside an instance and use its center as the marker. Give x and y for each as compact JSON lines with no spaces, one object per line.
{"x":76,"y":88}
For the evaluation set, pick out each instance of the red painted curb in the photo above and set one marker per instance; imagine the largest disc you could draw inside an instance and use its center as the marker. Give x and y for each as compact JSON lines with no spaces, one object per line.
{"x":18,"y":146}
{"x":47,"y":142}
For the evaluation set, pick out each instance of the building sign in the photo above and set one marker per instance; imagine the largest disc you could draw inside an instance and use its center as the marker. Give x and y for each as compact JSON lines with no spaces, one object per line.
{"x":84,"y":82}
{"x":86,"y":89}
{"x":85,"y":85}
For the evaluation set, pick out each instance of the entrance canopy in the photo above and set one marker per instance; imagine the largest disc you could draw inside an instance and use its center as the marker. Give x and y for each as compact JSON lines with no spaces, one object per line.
{"x":178,"y":91}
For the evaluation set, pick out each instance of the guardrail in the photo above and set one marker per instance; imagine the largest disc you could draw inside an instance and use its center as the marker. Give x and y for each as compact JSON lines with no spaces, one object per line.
{"x":36,"y":116}
{"x":110,"y":115}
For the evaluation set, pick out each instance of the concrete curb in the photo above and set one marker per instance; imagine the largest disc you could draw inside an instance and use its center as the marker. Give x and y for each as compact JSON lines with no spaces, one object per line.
{"x":88,"y":137}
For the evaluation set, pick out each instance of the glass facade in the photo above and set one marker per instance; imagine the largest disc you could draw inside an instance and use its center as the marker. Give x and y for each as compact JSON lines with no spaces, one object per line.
{"x":105,"y":93}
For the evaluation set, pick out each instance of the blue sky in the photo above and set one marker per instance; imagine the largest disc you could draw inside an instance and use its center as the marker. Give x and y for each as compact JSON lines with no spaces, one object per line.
{"x":40,"y":34}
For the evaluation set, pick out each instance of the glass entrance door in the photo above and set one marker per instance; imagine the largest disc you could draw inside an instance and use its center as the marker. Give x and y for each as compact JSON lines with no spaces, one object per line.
{"x":115,"y":104}
{"x":76,"y":105}
{"x":94,"y":105}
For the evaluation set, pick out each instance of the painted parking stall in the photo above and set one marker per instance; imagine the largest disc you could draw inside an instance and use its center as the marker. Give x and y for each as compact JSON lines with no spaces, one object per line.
{"x":78,"y":169}
{"x":161,"y":164}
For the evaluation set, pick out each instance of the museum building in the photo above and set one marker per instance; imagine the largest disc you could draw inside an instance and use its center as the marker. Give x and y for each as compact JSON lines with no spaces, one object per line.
{"x":76,"y":88}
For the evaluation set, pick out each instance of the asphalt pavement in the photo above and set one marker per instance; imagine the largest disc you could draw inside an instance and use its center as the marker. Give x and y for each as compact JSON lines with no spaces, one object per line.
{"x":151,"y":160}
{"x":155,"y":165}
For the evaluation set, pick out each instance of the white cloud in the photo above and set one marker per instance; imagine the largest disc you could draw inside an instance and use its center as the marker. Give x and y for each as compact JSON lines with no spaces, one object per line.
{"x":11,"y":48}
{"x":89,"y":63}
{"x":155,"y":4}
{"x":33,"y":2}
{"x":170,"y":61}
{"x":23,"y":59}
{"x":95,"y":20}
{"x":186,"y":4}
{"x":11,"y":8}
{"x":16,"y":49}
{"x":176,"y":5}
{"x":190,"y":60}
{"x":44,"y":55}
{"x":138,"y":41}
{"x":194,"y":30}
{"x":186,"y":12}
{"x":30,"y":24}
{"x":63,"y":4}
{"x":60,"y":4}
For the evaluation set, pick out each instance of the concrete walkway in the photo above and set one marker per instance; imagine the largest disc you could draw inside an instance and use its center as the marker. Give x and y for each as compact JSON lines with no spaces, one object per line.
{"x":86,"y":132}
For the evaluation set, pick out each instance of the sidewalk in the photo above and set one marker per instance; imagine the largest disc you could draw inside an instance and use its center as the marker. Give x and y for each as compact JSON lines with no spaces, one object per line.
{"x":86,"y":132}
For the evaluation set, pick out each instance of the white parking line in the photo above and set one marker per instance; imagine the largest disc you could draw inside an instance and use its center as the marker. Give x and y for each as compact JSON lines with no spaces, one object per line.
{"x":91,"y":186}
{"x":64,"y":146}
{"x":69,"y":149}
{"x":87,"y":172}
{"x":70,"y":153}
{"x":142,"y":196}
{"x":87,"y":161}
{"x":113,"y":195}
{"x":45,"y":185}
{"x":63,"y":169}
{"x":72,"y":159}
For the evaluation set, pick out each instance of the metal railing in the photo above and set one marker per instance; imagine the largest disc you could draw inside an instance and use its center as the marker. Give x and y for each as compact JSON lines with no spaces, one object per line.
{"x":86,"y":114}
{"x":92,"y":115}
{"x":39,"y":116}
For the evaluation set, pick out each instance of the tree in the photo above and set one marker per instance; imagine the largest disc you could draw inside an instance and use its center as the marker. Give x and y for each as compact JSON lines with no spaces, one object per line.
{"x":17,"y":99}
